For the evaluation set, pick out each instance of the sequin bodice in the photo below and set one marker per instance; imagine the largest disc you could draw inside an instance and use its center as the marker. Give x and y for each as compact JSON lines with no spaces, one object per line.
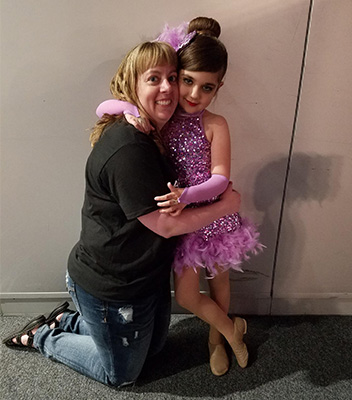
{"x":190,"y":154}
{"x":188,"y":148}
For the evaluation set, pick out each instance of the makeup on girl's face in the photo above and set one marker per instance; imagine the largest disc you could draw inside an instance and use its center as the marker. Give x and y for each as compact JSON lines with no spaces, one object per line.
{"x":197,"y":89}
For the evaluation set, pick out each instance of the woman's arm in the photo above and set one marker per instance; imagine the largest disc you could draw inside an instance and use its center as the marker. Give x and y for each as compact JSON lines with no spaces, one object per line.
{"x":192,"y":219}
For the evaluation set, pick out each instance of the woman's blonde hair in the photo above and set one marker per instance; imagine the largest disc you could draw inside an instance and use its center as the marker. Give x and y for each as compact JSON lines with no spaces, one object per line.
{"x":124,"y":83}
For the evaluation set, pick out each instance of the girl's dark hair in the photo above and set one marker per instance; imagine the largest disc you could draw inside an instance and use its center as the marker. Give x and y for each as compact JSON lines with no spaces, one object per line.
{"x":205,"y":52}
{"x":205,"y":26}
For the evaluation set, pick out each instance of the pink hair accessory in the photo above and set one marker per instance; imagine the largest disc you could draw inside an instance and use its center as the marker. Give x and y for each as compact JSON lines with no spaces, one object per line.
{"x":177,"y":37}
{"x":186,"y":40}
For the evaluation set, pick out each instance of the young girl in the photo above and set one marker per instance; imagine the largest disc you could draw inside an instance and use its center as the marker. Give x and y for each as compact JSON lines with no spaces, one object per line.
{"x":198,"y":144}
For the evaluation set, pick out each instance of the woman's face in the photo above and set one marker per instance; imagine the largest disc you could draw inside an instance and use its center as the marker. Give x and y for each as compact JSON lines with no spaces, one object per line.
{"x":157,"y":91}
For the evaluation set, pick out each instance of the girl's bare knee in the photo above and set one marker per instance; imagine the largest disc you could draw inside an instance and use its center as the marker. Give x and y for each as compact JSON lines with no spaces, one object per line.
{"x":181,"y":299}
{"x":187,"y":300}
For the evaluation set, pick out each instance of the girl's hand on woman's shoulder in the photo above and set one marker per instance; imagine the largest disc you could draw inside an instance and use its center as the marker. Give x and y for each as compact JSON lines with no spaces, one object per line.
{"x":141,"y":123}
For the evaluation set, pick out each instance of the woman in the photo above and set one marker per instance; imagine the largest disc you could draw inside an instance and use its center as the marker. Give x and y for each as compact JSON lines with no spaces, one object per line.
{"x":119,"y":271}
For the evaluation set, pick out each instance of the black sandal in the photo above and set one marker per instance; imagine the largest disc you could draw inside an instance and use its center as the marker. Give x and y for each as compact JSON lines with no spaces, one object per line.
{"x":57,"y":311}
{"x":26,"y":330}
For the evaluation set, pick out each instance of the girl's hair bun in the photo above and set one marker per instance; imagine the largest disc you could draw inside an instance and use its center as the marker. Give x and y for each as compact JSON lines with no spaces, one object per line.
{"x":205,"y":26}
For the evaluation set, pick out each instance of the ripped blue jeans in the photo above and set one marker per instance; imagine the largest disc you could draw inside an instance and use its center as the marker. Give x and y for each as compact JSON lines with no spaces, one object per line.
{"x":107,"y":341}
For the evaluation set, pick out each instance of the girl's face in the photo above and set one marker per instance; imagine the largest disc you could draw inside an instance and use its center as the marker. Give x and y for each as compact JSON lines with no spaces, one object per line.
{"x":158,"y":92}
{"x":197,"y":89}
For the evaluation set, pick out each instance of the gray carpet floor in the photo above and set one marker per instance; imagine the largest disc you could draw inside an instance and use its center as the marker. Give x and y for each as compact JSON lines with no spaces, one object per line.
{"x":300,"y":357}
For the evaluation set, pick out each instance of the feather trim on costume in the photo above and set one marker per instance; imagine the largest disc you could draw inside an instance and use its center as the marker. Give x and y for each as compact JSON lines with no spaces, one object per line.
{"x":220,"y":253}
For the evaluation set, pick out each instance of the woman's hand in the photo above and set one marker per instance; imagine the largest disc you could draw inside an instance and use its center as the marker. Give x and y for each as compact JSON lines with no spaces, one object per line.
{"x":231,"y":199}
{"x":169,"y":202}
{"x":142,"y":124}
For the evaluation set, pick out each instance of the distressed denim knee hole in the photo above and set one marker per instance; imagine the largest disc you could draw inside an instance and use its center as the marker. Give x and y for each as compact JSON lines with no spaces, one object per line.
{"x":126,"y":314}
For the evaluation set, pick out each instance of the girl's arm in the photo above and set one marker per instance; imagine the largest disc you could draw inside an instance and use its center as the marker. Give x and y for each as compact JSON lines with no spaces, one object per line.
{"x":214,"y":186}
{"x":217,"y":132}
{"x":117,"y":107}
{"x":192,"y":219}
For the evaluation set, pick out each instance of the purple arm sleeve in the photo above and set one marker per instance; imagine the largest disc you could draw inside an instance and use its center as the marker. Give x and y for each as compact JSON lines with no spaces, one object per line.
{"x":116,"y":107}
{"x":204,"y":191}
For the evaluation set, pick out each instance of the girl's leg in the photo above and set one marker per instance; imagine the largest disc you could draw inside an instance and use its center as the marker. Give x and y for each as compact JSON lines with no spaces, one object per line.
{"x":188,"y":296}
{"x":220,"y":291}
{"x":219,"y":288}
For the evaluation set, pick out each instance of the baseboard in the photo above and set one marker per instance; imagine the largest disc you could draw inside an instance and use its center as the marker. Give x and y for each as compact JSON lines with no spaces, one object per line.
{"x":14,"y":304}
{"x":31,"y":304}
{"x":41,"y":302}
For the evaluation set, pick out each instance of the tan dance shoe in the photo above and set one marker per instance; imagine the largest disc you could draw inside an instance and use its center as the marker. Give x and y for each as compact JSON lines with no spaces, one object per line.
{"x":219,"y":361}
{"x":237,"y":345}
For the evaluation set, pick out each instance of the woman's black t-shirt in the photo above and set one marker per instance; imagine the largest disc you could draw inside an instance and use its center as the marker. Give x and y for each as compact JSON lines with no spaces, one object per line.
{"x":117,"y":257}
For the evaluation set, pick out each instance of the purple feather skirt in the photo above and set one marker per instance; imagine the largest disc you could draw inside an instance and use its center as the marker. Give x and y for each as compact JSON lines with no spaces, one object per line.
{"x":218,"y":247}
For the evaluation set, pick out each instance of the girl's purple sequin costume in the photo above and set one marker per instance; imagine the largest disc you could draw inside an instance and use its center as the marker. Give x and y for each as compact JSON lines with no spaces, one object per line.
{"x":228,"y":241}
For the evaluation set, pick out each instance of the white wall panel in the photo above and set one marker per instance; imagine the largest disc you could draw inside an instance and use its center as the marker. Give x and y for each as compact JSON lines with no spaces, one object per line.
{"x":315,"y":252}
{"x":265,"y":42}
{"x":57,"y":59}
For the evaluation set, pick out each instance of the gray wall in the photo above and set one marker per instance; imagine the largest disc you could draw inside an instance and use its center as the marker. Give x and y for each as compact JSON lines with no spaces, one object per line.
{"x":292,"y":164}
